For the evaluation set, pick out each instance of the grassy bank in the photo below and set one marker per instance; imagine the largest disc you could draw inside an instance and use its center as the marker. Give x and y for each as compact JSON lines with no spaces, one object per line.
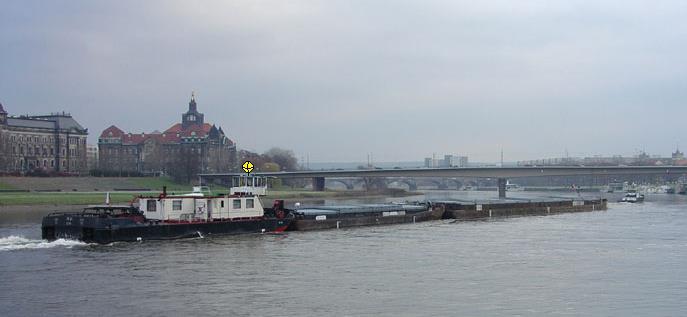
{"x":4,"y":186}
{"x":8,"y":199}
{"x":76,"y":198}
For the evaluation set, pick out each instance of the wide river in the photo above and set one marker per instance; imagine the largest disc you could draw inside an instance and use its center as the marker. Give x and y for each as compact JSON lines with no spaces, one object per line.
{"x":628,"y":261}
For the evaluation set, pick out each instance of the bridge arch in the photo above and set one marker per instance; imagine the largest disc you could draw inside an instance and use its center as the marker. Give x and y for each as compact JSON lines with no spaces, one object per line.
{"x":458,"y":184}
{"x":348,"y":183}
{"x":412,"y":185}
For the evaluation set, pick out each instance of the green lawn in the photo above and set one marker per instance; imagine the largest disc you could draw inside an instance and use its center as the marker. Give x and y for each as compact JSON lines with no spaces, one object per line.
{"x":156,"y":183}
{"x":5,"y":186}
{"x":63,"y":198}
{"x":78,"y":198}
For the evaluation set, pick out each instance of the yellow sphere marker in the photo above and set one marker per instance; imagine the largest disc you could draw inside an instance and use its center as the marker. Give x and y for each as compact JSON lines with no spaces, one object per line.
{"x":247,"y":167}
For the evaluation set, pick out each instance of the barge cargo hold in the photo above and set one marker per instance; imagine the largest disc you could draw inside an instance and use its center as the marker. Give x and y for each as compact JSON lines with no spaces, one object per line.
{"x":477,"y":210}
{"x":330,"y":217}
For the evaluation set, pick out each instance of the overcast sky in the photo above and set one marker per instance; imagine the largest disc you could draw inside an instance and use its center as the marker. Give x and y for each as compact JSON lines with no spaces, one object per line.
{"x":339,"y":79}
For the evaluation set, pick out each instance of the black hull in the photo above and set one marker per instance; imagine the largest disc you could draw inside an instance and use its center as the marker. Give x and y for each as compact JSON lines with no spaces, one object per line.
{"x":108,"y":230}
{"x":305,"y":224}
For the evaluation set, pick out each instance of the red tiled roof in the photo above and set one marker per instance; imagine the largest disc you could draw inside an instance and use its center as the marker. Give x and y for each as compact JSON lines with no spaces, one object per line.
{"x":135,"y":138}
{"x":174,"y":129}
{"x":177,"y":128}
{"x":116,"y":132}
{"x":171,"y":135}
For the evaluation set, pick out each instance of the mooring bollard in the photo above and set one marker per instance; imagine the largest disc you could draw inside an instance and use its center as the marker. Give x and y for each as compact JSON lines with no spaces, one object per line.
{"x":337,"y":224}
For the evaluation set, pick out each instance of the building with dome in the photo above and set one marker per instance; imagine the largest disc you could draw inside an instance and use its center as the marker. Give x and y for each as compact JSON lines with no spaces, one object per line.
{"x":182,"y":151}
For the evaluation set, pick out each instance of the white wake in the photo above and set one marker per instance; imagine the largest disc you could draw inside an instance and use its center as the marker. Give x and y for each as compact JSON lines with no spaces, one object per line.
{"x":20,"y":243}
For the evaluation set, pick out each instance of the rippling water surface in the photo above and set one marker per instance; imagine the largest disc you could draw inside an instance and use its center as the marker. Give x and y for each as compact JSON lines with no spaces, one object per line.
{"x":629,"y":260}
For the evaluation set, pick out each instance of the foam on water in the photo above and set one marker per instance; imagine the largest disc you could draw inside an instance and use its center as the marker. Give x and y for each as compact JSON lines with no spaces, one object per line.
{"x":20,"y":243}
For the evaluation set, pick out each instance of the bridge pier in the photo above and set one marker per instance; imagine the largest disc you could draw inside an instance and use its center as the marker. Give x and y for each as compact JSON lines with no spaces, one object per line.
{"x":501,"y":183}
{"x":318,"y":184}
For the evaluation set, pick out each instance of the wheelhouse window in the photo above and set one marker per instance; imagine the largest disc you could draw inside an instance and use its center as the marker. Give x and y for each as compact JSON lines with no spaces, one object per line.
{"x":151,"y":205}
{"x":221,"y":203}
{"x":250,"y":203}
{"x":176,"y":204}
{"x":237,"y":204}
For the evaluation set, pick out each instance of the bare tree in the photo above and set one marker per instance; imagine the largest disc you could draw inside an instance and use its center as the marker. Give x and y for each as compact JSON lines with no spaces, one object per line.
{"x":285,"y":158}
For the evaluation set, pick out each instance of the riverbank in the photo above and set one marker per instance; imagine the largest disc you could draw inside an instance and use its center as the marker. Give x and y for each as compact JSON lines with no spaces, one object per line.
{"x":8,"y":199}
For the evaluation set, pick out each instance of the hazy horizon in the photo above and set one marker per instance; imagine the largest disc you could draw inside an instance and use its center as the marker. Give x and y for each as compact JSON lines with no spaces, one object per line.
{"x":336,"y":80}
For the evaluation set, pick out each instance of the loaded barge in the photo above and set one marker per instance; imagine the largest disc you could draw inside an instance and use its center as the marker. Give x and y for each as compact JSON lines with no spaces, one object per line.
{"x":329,"y":217}
{"x":480,"y":210}
{"x":167,"y":217}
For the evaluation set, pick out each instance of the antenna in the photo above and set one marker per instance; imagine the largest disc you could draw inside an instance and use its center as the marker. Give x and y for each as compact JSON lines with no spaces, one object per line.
{"x":501,"y":156}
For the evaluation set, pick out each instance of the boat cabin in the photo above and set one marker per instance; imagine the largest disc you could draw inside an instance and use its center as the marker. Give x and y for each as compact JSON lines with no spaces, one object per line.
{"x":200,"y":208}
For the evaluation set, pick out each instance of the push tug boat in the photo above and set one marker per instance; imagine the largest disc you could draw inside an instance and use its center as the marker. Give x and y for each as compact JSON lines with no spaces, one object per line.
{"x":167,"y":217}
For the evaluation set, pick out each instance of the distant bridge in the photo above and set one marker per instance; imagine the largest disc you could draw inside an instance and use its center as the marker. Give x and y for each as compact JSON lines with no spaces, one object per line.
{"x":502,"y":174}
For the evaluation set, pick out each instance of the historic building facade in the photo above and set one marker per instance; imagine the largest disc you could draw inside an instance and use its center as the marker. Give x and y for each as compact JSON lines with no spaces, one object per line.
{"x":182,"y":151}
{"x":48,"y":144}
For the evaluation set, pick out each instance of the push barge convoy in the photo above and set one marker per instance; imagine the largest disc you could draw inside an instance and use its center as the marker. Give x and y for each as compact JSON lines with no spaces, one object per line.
{"x":198,"y":214}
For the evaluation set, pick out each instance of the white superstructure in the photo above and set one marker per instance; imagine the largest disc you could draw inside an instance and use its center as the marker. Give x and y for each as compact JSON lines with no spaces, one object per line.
{"x":200,"y":208}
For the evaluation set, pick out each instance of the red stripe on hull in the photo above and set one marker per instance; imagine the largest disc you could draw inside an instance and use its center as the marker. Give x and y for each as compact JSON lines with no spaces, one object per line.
{"x":280,"y":229}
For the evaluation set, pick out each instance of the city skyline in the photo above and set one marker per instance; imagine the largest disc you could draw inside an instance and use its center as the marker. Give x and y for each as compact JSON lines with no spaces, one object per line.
{"x":337,"y":80}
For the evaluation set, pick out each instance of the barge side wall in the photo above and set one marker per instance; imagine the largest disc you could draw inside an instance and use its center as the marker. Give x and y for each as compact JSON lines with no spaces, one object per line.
{"x":478,"y":211}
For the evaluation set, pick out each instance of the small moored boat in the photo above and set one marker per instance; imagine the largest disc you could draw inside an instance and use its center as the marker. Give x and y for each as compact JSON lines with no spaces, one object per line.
{"x":632,"y":197}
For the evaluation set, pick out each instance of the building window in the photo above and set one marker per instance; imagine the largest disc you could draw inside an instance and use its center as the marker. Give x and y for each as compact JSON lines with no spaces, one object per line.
{"x":250,"y":203}
{"x":45,"y":163}
{"x":151,"y":205}
{"x":52,"y":163}
{"x":221,"y":203}
{"x":64,"y":152}
{"x":176,"y":204}
{"x":237,"y":204}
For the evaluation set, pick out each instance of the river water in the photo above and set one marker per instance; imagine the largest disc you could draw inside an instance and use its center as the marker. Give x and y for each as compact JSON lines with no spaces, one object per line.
{"x":628,"y":261}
